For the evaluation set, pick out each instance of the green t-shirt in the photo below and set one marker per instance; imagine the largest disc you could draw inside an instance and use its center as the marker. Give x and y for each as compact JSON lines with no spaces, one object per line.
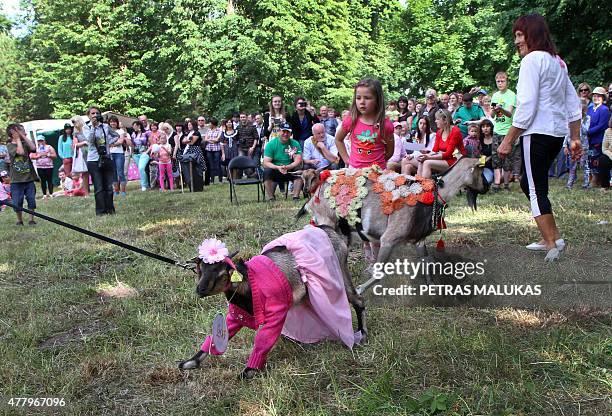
{"x":501,"y":122}
{"x":474,"y":113}
{"x":22,"y":168}
{"x":282,"y":154}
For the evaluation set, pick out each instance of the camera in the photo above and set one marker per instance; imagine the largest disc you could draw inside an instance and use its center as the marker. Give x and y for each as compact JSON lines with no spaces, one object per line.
{"x":100,"y":118}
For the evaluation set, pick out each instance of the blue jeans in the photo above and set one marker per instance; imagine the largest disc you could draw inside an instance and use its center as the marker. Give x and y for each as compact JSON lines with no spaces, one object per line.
{"x":21,"y":190}
{"x":214,"y":162}
{"x":119,"y":176}
{"x":142,"y":160}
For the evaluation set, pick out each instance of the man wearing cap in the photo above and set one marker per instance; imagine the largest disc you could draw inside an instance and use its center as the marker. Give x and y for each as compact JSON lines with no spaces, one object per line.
{"x":22,"y":171}
{"x":430,"y":108}
{"x":320,"y":150}
{"x":600,"y":115}
{"x":282,"y":155}
{"x":467,"y":112}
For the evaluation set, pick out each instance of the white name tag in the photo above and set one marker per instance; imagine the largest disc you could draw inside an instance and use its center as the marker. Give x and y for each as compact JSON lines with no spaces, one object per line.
{"x":220,"y":334}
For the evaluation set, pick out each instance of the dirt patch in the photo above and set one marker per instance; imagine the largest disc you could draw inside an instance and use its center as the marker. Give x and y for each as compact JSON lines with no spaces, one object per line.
{"x":119,"y":290}
{"x":165,"y":375}
{"x":76,"y":334}
{"x":98,"y":367}
{"x":539,"y":319}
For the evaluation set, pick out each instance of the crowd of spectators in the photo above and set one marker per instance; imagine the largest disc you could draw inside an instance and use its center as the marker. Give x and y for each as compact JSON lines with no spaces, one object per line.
{"x":194,"y":153}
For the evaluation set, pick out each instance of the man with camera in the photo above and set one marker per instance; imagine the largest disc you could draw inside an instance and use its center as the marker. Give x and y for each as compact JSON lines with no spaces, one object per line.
{"x":100,"y":165}
{"x":302,"y":121}
{"x":503,"y":103}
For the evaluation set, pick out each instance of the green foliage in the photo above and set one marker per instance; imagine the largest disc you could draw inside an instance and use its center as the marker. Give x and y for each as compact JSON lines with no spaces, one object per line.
{"x":172,"y":58}
{"x":582,"y":31}
{"x":448,"y":45}
{"x":10,"y":72}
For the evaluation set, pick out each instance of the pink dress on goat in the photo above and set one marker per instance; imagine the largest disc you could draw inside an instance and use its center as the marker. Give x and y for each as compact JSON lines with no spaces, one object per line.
{"x":325,"y":316}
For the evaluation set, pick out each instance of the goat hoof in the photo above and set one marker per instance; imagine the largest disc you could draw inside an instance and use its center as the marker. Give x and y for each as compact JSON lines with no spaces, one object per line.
{"x":248,"y":373}
{"x":189,"y":364}
{"x":361,"y":338}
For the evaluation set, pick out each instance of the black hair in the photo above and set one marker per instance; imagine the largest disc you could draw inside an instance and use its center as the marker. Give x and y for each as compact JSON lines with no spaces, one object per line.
{"x":64,"y":137}
{"x":92,"y":107}
{"x":298,"y":99}
{"x":139,"y":124}
{"x":488,"y":123}
{"x":213,"y":121}
{"x":427,"y":129}
{"x":10,"y":128}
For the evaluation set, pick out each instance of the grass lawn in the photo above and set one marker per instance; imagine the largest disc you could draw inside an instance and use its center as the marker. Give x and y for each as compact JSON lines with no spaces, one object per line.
{"x":59,"y":338}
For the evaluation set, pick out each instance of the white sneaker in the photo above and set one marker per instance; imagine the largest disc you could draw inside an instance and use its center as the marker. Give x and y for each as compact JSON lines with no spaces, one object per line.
{"x":553,"y":255}
{"x":542,"y":247}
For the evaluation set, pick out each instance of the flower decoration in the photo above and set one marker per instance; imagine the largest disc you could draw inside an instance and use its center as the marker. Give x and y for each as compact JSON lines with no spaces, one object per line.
{"x":400,"y":180}
{"x":347,"y":190}
{"x":324,"y":175}
{"x":212,"y":251}
{"x":426,"y":198}
{"x":389,"y":185}
{"x":415,"y":188}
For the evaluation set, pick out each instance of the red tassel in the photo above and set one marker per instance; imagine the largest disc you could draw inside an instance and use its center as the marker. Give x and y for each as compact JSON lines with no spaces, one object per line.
{"x":312,"y":222}
{"x":440,"y":245}
{"x":441,"y":224}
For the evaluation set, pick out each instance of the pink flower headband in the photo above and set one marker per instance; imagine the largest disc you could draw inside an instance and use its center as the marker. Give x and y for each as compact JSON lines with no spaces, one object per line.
{"x":213,"y":251}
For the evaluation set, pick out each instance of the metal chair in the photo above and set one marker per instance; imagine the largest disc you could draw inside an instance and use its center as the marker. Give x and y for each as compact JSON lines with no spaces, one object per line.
{"x":243,"y":162}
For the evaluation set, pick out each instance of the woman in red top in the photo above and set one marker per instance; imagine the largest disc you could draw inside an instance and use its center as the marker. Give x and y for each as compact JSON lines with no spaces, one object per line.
{"x":448,"y":138}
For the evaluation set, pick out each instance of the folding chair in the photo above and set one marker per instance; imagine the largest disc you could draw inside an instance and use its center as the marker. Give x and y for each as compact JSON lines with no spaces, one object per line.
{"x":244,"y":162}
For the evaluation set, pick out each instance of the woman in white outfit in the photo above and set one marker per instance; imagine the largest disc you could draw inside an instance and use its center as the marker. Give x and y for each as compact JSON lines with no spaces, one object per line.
{"x":547,"y":104}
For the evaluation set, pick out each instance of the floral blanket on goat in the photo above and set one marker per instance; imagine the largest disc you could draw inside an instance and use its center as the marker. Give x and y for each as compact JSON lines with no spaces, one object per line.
{"x":347,"y":189}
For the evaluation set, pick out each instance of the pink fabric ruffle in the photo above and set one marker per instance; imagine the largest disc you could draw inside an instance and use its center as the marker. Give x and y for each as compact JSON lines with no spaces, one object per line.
{"x":327,"y":315}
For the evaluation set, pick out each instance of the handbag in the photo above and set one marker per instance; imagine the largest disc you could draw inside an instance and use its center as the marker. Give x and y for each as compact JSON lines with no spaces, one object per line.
{"x":78,"y":161}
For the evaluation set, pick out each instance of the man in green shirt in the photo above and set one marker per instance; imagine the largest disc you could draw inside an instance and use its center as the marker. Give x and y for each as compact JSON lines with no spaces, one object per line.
{"x":282,"y":155}
{"x":22,"y":171}
{"x":503,"y":103}
{"x":467,"y":112}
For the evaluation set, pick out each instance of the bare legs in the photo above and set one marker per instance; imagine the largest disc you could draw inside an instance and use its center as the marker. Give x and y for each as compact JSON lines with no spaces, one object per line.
{"x":426,"y":168}
{"x":548,"y":229}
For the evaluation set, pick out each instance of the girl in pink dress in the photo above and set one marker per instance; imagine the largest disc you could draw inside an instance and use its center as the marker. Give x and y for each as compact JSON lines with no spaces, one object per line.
{"x":164,"y":160}
{"x":371,"y":132}
{"x":372,"y":141}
